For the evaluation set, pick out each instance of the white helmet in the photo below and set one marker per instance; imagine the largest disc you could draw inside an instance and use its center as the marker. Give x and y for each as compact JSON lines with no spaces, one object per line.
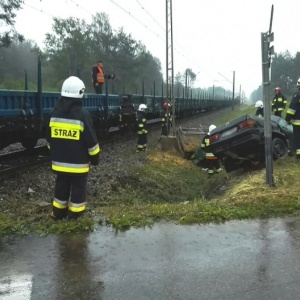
{"x":73,"y":87}
{"x":259,"y":103}
{"x":211,"y":128}
{"x":298,"y":83}
{"x":142,"y":107}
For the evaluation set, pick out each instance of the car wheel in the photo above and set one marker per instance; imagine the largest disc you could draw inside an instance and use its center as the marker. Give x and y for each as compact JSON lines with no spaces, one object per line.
{"x":228,"y":164}
{"x":280,"y":150}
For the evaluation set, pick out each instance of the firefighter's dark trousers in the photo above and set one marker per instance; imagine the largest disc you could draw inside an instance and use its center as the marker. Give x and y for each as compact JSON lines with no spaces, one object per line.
{"x":70,"y":195}
{"x":142,"y":142}
{"x":296,"y":133}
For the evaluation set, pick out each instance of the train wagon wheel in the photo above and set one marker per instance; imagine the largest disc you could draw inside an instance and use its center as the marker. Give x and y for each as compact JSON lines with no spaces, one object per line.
{"x":29,"y":143}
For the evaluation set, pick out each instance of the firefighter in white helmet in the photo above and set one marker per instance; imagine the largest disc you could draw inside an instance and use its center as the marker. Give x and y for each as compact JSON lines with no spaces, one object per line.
{"x":212,"y":162}
{"x":141,"y":128}
{"x":259,"y":108}
{"x":73,"y":146}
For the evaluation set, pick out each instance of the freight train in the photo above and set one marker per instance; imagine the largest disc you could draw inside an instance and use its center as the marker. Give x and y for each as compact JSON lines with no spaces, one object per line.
{"x":24,"y":114}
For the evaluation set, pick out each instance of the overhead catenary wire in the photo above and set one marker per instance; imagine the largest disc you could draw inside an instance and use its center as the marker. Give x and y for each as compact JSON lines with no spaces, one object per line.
{"x":178,"y":48}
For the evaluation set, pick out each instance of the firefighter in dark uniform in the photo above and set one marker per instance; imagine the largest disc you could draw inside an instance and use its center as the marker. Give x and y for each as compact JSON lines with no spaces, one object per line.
{"x":98,"y":77}
{"x":279,"y":102}
{"x":73,"y":146}
{"x":212,"y":162}
{"x":166,"y":119}
{"x":293,"y":117}
{"x":141,"y":128}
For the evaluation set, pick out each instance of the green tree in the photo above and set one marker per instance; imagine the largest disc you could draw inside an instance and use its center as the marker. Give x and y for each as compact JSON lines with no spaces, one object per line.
{"x":7,"y":18}
{"x":282,"y":66}
{"x":67,"y":51}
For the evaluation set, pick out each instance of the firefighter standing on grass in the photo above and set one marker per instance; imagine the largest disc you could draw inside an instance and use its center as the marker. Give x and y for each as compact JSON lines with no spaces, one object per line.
{"x":293,"y":117}
{"x":141,"y":128}
{"x":279,"y":102}
{"x":212,"y":162}
{"x":73,"y":146}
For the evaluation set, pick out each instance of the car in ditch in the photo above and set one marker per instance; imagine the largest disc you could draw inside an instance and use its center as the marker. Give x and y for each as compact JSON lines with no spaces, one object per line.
{"x":240,"y":142}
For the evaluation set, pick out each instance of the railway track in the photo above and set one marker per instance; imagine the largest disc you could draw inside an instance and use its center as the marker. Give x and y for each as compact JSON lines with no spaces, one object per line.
{"x":20,"y":160}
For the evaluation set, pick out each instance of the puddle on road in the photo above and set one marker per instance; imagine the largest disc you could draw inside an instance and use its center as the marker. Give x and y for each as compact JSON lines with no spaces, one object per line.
{"x":69,"y":265}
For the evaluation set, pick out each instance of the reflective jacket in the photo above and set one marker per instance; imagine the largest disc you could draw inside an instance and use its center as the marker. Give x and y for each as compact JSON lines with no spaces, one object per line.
{"x":260,"y":112}
{"x":205,"y":147}
{"x":141,"y":122}
{"x":98,"y":74}
{"x":293,"y":112}
{"x":279,"y":102}
{"x":166,"y":119}
{"x":71,"y":136}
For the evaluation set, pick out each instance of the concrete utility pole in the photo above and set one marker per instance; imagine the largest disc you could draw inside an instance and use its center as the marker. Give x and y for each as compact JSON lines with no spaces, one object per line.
{"x":233,"y":86}
{"x":169,"y":60}
{"x":267,"y":51}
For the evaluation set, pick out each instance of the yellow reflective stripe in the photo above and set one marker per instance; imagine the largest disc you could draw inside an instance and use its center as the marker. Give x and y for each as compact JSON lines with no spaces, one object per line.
{"x":59,"y":204}
{"x":210,"y":156}
{"x":291,"y":111}
{"x":70,"y":168}
{"x":76,"y":207}
{"x":141,"y":125}
{"x":94,"y":150}
{"x":66,"y":123}
{"x":68,"y":134}
{"x":296,"y":122}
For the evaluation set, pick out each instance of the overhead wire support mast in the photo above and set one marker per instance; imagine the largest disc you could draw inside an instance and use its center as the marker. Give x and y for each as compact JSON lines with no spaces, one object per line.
{"x":169,"y":61}
{"x":267,"y":52}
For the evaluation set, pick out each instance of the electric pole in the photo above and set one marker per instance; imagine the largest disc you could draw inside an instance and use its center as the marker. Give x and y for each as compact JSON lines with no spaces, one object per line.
{"x":267,"y":52}
{"x":169,"y":61}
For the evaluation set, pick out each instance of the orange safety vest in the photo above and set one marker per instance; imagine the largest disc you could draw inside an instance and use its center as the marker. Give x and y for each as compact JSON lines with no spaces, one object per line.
{"x":100,"y":75}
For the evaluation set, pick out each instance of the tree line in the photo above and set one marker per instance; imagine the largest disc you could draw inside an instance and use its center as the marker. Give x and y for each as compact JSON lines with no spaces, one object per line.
{"x":74,"y":46}
{"x":285,"y":71}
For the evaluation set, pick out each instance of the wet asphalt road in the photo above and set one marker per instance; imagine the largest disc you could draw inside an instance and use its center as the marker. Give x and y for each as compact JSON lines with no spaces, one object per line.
{"x":237,"y":260}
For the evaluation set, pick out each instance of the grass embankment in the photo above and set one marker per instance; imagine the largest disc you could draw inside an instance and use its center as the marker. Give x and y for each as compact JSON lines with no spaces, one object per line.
{"x":239,"y":196}
{"x":170,"y":188}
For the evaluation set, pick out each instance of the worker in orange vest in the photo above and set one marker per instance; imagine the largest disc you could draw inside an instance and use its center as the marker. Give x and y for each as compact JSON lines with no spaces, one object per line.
{"x":98,"y":77}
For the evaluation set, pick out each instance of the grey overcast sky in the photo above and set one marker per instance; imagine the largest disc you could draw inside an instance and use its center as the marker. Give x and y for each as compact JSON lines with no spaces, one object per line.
{"x":211,"y":37}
